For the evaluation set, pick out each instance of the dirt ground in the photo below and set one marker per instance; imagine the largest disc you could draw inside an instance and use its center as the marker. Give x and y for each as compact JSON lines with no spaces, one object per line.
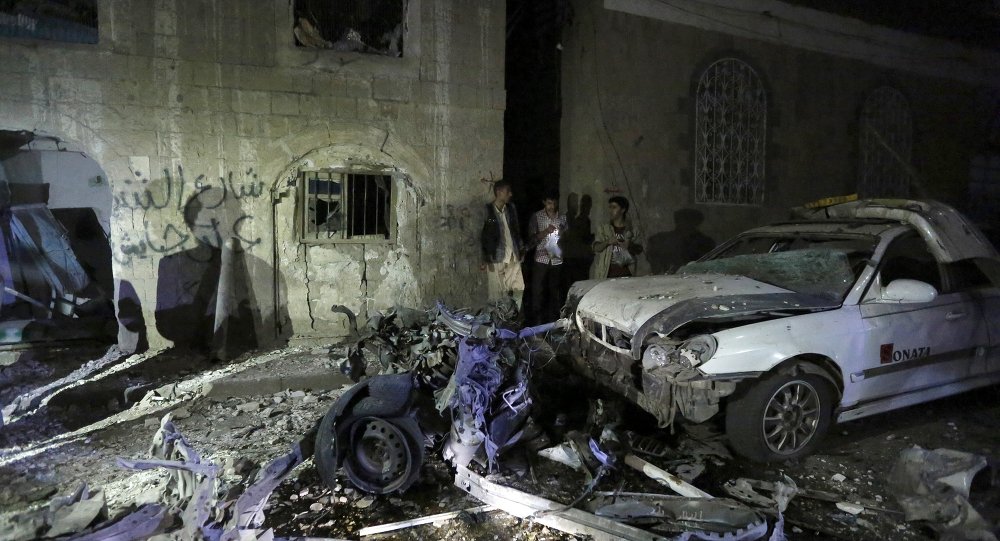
{"x":77,"y":435}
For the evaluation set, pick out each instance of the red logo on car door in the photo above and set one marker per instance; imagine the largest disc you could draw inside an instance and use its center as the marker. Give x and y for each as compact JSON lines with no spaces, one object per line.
{"x":885,"y":354}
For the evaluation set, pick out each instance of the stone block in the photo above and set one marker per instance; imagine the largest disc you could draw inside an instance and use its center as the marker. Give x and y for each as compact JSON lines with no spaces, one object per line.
{"x":223,"y":124}
{"x":392,"y":88}
{"x":276,"y":127}
{"x":220,"y":99}
{"x":272,"y":79}
{"x":195,"y":48}
{"x":165,"y":22}
{"x":432,"y":70}
{"x":121,"y":92}
{"x":498,"y":98}
{"x":344,"y":108}
{"x":310,"y":105}
{"x":251,"y":101}
{"x":15,"y":60}
{"x":143,"y":45}
{"x":15,"y":86}
{"x":195,"y":121}
{"x":165,"y":46}
{"x":250,"y":125}
{"x":68,"y":89}
{"x":284,"y":104}
{"x":326,"y":84}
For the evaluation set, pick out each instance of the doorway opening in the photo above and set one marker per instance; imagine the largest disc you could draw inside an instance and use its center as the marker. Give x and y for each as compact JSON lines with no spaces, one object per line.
{"x":56,"y":281}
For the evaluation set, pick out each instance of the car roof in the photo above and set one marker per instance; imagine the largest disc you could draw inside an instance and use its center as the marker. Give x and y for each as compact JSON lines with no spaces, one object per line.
{"x":950,"y":236}
{"x":854,"y":227}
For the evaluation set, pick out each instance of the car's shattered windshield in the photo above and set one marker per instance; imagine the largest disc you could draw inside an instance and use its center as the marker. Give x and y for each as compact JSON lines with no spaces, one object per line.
{"x":816,"y":266}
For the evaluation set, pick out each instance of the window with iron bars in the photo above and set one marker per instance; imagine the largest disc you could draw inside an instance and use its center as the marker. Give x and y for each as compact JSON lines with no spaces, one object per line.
{"x":70,"y":21}
{"x":342,"y":206}
{"x":886,"y":142}
{"x":731,"y":128}
{"x":361,"y":26}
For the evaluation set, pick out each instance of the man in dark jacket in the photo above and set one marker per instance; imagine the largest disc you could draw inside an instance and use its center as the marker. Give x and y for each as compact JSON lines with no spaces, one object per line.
{"x":502,"y":249}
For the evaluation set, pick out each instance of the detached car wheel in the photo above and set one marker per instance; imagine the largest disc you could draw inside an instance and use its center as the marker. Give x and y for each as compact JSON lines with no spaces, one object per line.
{"x":383,"y":455}
{"x":780,"y":418}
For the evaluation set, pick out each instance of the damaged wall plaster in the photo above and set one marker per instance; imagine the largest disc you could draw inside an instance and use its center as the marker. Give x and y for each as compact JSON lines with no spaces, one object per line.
{"x":180,"y":113}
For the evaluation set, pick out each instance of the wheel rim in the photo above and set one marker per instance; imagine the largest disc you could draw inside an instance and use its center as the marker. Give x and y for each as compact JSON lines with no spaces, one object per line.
{"x":791,"y":417}
{"x":379,"y":457}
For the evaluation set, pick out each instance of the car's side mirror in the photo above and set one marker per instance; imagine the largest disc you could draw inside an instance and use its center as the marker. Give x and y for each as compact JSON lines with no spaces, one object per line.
{"x":907,"y":291}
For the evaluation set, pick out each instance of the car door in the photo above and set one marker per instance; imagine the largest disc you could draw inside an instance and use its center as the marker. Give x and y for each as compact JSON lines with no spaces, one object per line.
{"x":981,"y":277}
{"x":914,"y":346}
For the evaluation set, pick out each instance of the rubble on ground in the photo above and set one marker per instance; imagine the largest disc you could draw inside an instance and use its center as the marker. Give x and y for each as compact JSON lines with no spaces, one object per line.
{"x":575,"y":464}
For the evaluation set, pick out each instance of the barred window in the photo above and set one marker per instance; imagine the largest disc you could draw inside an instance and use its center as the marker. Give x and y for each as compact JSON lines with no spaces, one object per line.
{"x":71,"y":21}
{"x":361,"y":26}
{"x":886,"y":139}
{"x":730,"y":124}
{"x":340,"y":206}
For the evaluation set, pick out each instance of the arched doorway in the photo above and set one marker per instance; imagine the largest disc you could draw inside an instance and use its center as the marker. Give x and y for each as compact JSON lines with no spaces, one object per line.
{"x":55,"y":254}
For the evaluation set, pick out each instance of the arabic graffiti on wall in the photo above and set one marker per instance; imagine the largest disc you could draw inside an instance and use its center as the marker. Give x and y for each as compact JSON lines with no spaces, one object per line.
{"x":186,"y":213}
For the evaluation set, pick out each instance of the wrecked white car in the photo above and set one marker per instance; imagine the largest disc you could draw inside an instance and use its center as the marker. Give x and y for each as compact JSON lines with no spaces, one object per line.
{"x":859,"y":308}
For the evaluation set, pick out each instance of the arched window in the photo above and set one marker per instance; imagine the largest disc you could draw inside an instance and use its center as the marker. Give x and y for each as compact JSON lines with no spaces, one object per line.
{"x":886,"y":141}
{"x":731,"y":123}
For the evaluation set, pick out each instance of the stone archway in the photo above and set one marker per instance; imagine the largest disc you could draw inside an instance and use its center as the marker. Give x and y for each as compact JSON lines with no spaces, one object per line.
{"x":310,"y":278}
{"x":57,"y":271}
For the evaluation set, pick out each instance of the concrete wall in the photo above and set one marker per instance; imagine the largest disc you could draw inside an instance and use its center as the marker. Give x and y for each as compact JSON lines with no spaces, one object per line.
{"x":628,"y":120}
{"x":213,"y":102}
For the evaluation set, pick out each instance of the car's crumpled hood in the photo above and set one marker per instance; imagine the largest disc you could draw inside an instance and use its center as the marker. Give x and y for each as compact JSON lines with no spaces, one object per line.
{"x":626,"y":304}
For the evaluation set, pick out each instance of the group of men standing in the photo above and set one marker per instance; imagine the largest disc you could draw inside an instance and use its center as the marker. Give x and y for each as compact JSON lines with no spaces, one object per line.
{"x":503,"y":251}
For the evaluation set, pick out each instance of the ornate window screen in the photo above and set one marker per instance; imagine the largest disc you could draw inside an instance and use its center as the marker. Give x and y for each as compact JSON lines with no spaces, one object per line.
{"x":886,"y":142}
{"x":730,"y":124}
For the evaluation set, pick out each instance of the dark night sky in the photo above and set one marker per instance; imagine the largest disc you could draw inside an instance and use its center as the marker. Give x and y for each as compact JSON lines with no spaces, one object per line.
{"x":974,"y":22}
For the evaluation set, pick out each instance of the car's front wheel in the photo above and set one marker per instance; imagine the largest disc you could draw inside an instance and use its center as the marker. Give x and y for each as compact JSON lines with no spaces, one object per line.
{"x":780,"y":417}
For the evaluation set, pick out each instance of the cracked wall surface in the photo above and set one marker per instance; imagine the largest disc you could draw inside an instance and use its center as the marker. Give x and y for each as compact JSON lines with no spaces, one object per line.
{"x":202,"y":115}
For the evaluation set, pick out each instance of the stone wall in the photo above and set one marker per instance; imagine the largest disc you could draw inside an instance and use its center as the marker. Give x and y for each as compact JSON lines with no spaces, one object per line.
{"x":213,"y":104}
{"x":629,"y":121}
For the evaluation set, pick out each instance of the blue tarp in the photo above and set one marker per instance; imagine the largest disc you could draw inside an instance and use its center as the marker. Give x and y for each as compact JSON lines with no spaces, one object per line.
{"x":36,"y":247}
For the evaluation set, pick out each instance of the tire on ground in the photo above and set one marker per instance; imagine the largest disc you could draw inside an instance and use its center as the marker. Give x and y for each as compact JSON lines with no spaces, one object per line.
{"x":325,"y":454}
{"x":745,"y":423}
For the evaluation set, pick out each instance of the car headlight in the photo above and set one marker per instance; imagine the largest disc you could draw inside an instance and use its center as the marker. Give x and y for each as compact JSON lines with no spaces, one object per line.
{"x":699,"y":349}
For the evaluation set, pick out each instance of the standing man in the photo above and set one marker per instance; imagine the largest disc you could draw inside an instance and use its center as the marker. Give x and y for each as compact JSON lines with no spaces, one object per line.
{"x":544,"y":232}
{"x":616,"y":244}
{"x":501,"y":246}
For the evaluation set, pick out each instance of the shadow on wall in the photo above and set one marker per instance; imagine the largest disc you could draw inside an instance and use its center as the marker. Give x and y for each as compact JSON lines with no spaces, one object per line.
{"x":669,"y":250}
{"x":577,"y":250}
{"x":205,"y":299}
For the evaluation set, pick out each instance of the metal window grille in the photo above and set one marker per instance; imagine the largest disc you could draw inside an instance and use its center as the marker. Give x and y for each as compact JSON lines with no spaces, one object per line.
{"x":364,"y":26}
{"x":731,"y":124}
{"x":886,"y":141}
{"x":346,"y":207}
{"x":71,"y":22}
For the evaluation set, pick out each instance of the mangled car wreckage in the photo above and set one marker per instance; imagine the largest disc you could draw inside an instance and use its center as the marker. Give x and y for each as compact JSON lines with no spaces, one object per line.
{"x":857,"y":308}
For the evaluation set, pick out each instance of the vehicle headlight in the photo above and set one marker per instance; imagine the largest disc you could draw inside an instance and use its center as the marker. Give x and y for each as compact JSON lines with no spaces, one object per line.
{"x":699,"y":349}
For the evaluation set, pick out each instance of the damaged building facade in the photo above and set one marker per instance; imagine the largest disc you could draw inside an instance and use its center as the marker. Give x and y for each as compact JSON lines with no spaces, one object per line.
{"x":740,"y":113}
{"x":227,"y":172}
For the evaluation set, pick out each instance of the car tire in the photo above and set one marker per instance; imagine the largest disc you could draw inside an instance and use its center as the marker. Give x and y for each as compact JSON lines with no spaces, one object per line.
{"x":782,"y":417}
{"x":326,"y":455}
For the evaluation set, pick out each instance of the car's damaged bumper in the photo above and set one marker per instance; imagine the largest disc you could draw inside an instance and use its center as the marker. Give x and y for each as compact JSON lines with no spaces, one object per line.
{"x":663,"y":388}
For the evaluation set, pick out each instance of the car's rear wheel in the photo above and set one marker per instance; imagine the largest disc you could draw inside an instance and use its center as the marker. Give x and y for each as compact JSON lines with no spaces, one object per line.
{"x":781,"y":417}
